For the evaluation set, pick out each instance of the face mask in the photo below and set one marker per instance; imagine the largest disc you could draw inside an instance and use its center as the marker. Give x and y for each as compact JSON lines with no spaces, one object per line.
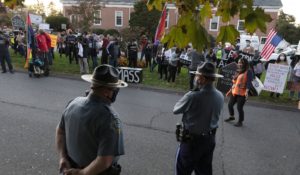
{"x":114,"y":95}
{"x":282,"y":58}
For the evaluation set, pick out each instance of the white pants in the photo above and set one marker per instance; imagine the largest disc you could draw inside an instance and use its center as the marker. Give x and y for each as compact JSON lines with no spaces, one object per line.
{"x":83,"y":64}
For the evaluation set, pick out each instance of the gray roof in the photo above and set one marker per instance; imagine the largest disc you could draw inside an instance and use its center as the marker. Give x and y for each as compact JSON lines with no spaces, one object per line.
{"x":276,"y":3}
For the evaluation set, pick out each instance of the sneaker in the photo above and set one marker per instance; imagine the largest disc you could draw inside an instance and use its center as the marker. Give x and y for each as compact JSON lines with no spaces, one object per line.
{"x":238,"y":124}
{"x":3,"y":72}
{"x":229,"y":119}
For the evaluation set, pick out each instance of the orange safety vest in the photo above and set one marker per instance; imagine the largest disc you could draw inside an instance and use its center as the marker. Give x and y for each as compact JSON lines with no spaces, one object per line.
{"x":239,"y":86}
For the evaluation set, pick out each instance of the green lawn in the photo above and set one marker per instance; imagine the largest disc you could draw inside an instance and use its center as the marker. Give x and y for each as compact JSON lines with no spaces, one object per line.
{"x":62,"y":66}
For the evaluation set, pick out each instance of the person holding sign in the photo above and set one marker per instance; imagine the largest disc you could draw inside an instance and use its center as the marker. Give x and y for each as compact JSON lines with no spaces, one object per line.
{"x":249,"y":49}
{"x":283,"y":61}
{"x":239,"y":91}
{"x":295,"y":77}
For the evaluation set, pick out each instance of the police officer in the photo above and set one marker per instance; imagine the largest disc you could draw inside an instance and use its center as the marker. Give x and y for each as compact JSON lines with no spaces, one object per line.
{"x":89,"y":136}
{"x":4,"y":53}
{"x":201,"y":110}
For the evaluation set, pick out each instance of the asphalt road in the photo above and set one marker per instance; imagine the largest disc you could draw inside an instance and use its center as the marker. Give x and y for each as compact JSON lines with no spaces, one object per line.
{"x":30,"y":108}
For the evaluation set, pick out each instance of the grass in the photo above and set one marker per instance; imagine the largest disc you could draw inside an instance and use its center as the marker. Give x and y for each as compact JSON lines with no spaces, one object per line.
{"x":62,"y":66}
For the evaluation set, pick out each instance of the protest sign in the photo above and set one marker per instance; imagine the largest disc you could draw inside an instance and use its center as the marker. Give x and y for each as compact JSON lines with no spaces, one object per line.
{"x":224,"y":84}
{"x":36,"y":19}
{"x":276,"y":77}
{"x":184,"y":59}
{"x":53,"y":40}
{"x":131,"y":75}
{"x":17,"y":22}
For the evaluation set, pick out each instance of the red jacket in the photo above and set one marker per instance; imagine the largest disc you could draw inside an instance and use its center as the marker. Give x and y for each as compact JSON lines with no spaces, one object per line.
{"x":42,"y":43}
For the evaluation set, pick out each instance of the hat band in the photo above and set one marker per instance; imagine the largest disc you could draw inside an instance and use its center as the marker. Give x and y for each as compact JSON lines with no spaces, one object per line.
{"x":102,"y":83}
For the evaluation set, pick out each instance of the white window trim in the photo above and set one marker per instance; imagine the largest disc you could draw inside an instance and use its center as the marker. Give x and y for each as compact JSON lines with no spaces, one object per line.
{"x":168,"y":20}
{"x":238,"y":25}
{"x":100,"y":13}
{"x":217,"y":24}
{"x":116,"y":12}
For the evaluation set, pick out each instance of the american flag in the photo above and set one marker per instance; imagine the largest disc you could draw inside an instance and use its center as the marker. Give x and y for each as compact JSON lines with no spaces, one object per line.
{"x":272,"y":42}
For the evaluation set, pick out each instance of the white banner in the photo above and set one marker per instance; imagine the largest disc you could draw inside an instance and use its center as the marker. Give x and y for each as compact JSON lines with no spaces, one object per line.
{"x":36,"y":19}
{"x":276,"y":78}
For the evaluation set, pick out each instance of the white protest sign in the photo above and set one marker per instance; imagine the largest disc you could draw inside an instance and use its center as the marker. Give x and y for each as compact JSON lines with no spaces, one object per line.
{"x":36,"y":19}
{"x":276,"y":78}
{"x":44,"y":26}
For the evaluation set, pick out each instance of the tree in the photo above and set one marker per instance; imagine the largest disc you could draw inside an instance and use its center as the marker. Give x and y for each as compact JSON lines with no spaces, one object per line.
{"x":144,"y":19}
{"x":52,"y":10}
{"x":13,"y":3}
{"x":56,"y":22}
{"x":38,"y":8}
{"x":85,"y":14}
{"x":193,"y":14}
{"x":285,"y":26}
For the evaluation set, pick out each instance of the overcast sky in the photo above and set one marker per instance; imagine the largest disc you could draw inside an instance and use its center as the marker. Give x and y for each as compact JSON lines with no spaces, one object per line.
{"x":289,"y":6}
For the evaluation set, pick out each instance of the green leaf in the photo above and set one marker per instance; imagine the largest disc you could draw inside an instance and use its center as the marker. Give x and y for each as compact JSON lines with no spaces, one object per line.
{"x":228,"y":34}
{"x":257,"y":19}
{"x":205,"y":12}
{"x":157,"y":4}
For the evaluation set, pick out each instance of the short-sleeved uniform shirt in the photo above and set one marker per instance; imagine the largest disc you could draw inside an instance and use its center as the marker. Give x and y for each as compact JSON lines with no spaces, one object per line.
{"x":92,"y":128}
{"x":201,"y":109}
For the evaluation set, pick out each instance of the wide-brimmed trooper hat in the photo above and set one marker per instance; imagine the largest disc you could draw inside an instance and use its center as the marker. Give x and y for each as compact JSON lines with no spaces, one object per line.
{"x":105,"y":75}
{"x":208,"y":69}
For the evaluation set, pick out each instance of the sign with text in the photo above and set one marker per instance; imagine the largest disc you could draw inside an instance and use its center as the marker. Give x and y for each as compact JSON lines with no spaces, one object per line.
{"x":53,"y":40}
{"x":224,"y":84}
{"x":44,"y":26}
{"x":276,"y":77}
{"x":232,"y":56}
{"x":17,"y":22}
{"x":184,"y":59}
{"x":36,"y":19}
{"x":131,"y":75}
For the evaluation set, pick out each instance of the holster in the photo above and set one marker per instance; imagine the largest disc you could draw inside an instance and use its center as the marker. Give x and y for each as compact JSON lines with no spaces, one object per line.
{"x":182,"y":134}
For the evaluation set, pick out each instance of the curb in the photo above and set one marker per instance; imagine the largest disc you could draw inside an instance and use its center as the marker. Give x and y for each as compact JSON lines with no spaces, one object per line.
{"x":176,"y":92}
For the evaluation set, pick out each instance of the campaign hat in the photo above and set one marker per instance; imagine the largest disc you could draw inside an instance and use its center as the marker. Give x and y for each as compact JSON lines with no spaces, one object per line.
{"x":208,"y":69}
{"x":105,"y":75}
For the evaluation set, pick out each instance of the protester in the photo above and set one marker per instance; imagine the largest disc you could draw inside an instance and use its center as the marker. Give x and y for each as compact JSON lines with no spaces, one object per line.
{"x":144,"y":41}
{"x":163,"y":63}
{"x":148,"y":53}
{"x":132,"y":53}
{"x":196,"y":60}
{"x":249,"y":49}
{"x":104,"y":57}
{"x":239,"y":91}
{"x":93,"y":51}
{"x":281,"y":59}
{"x":172,"y":67}
{"x":43,"y":50}
{"x":82,"y":56}
{"x":219,"y":53}
{"x":61,"y":38}
{"x":114,"y":52}
{"x":4,"y":53}
{"x":89,"y":137}
{"x":71,"y":47}
{"x":295,"y":77}
{"x":211,"y":57}
{"x":201,"y":111}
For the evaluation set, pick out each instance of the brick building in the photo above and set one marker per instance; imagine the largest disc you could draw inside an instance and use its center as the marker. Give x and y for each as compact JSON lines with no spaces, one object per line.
{"x":115,"y":14}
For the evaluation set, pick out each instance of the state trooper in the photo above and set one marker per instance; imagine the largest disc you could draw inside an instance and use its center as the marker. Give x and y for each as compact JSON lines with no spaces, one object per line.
{"x":89,"y":136}
{"x":201,"y":109}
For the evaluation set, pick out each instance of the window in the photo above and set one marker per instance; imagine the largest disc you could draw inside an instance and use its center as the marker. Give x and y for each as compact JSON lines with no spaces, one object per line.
{"x":97,"y":17}
{"x":73,"y":18}
{"x":214,"y":23}
{"x":167,"y":20}
{"x":119,"y":18}
{"x":241,"y":25}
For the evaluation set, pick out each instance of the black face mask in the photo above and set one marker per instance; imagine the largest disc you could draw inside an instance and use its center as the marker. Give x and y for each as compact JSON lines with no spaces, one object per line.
{"x":115,"y":94}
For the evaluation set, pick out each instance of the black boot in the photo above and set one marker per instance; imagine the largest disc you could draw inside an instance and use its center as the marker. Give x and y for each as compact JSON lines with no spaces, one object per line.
{"x":229,"y":119}
{"x":238,"y":124}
